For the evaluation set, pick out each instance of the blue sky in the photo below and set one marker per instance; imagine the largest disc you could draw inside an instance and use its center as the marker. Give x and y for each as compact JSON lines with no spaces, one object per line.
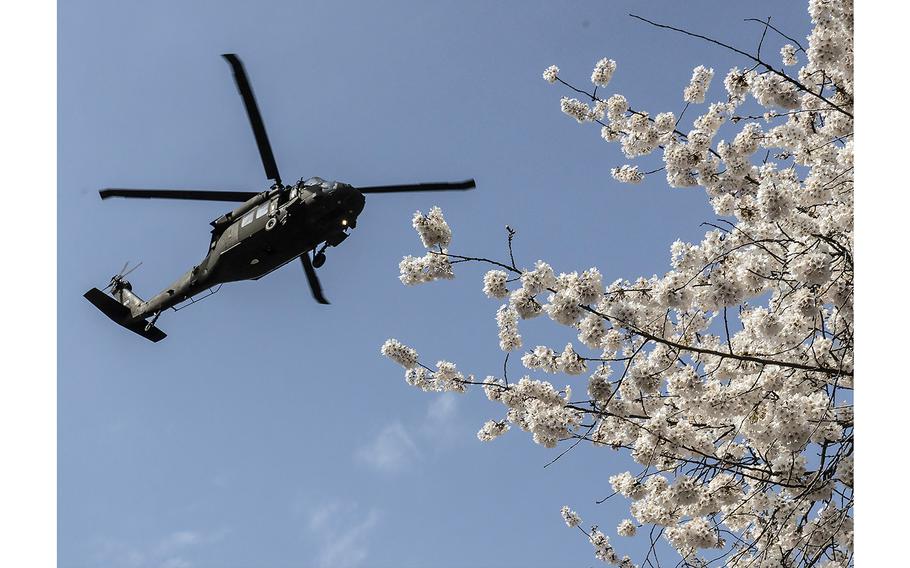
{"x":266,"y":430}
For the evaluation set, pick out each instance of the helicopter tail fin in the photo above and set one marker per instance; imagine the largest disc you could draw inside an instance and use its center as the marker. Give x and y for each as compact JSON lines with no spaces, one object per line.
{"x":121,"y":315}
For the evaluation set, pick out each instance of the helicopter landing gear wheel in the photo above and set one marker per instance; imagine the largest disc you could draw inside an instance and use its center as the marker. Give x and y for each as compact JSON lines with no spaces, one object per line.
{"x":318,"y":259}
{"x":270,"y":224}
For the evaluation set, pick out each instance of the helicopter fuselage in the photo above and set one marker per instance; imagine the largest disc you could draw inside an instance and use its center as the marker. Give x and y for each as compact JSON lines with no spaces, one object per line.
{"x":263,"y":234}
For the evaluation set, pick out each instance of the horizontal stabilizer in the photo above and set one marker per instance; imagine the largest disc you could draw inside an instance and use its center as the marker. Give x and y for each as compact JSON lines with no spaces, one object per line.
{"x":153,"y":334}
{"x":120,"y":314}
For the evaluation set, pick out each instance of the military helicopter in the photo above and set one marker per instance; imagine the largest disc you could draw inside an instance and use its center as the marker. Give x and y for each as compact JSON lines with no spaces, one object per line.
{"x":266,"y":231}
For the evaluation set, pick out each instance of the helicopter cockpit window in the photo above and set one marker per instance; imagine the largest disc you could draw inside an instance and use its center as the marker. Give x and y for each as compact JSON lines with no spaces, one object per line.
{"x":262,"y":210}
{"x":247,"y":220}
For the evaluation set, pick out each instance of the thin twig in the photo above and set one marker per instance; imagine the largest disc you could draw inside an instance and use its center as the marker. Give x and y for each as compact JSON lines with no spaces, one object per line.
{"x":782,"y":34}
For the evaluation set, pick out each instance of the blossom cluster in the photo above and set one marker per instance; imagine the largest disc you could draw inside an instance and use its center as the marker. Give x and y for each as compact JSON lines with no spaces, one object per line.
{"x":400,"y":353}
{"x":446,"y":378}
{"x":570,"y":517}
{"x":788,"y":55}
{"x":578,"y":110}
{"x":435,"y":235}
{"x":603,"y":72}
{"x":698,"y":86}
{"x":491,"y":430}
{"x":432,"y":228}
{"x":627,"y":174}
{"x":551,"y":73}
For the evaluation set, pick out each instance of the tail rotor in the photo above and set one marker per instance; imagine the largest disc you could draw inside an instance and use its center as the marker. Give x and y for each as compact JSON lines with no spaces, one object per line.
{"x":118,"y":280}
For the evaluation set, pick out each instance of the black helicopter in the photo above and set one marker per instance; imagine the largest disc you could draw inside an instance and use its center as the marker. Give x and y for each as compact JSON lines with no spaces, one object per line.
{"x":268,"y":230}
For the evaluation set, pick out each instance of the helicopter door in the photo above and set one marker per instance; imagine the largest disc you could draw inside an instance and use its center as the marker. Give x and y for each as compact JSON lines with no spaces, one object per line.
{"x":230,"y":236}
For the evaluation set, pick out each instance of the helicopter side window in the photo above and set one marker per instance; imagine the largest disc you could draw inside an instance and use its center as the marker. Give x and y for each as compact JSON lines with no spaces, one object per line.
{"x":262,"y":210}
{"x":247,"y":220}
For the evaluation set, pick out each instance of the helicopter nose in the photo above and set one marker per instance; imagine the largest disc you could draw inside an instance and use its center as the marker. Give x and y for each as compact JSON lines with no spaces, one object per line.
{"x":348,"y":195}
{"x":356,"y":201}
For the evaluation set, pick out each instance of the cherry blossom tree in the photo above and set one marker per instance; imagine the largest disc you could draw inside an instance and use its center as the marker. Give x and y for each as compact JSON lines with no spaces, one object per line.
{"x":729,"y":379}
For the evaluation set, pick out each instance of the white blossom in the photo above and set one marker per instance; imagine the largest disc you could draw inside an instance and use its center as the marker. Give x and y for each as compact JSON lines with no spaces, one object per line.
{"x":537,"y":280}
{"x":603,"y":550}
{"x":610,"y":134}
{"x":571,"y":362}
{"x":432,"y":266}
{"x":492,"y":430}
{"x":665,"y":122}
{"x":603,"y":72}
{"x":570,"y":517}
{"x":551,"y":73}
{"x":698,"y":85}
{"x":844,"y":471}
{"x":448,"y":378}
{"x":617,"y":105}
{"x":542,"y":358}
{"x":626,"y":528}
{"x":693,"y":535}
{"x":591,"y":330}
{"x":627,"y":174}
{"x":432,"y":228}
{"x":507,"y":321}
{"x":813,"y":268}
{"x":525,"y":304}
{"x":600,"y":109}
{"x":788,"y":54}
{"x":563,"y":307}
{"x":493,"y":387}
{"x":576,"y":109}
{"x":420,"y":378}
{"x":737,"y":84}
{"x":494,"y":284}
{"x":535,"y":406}
{"x":400,"y":353}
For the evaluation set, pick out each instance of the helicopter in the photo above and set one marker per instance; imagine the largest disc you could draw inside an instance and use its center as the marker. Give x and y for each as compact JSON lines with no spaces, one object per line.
{"x":267,"y":230}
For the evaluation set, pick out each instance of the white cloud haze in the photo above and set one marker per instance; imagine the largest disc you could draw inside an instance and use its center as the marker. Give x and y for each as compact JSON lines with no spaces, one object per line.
{"x":390,"y":451}
{"x":342,"y":532}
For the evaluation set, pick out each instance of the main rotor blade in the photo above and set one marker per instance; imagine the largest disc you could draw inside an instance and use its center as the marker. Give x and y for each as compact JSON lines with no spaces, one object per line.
{"x":437,"y":186}
{"x":197,"y":195}
{"x":312,"y":278}
{"x":252,"y":111}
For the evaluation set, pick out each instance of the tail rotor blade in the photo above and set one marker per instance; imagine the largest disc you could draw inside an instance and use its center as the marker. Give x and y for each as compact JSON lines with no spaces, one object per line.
{"x":433,"y":186}
{"x":120,"y":274}
{"x":252,"y":111}
{"x":125,"y":274}
{"x":312,"y":278}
